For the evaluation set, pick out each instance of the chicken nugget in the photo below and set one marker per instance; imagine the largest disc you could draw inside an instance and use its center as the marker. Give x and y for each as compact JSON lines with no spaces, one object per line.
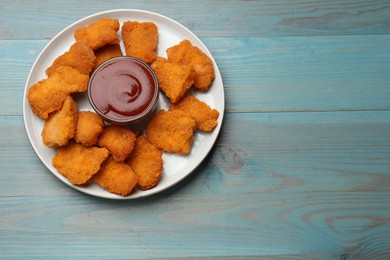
{"x":107,"y":52}
{"x":89,"y":127}
{"x":119,"y":140}
{"x":174,"y":79}
{"x":205,"y":117}
{"x":140,"y":40}
{"x":99,"y":33}
{"x":46,"y":96}
{"x":79,"y":163}
{"x":186,"y":53}
{"x":116,"y":177}
{"x":70,"y":79}
{"x":147,"y":163}
{"x":80,"y":57}
{"x":49,"y":94}
{"x":171,"y":131}
{"x":60,"y":127}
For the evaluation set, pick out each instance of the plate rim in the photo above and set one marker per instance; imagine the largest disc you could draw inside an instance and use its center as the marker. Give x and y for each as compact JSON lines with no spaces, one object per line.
{"x":142,"y":194}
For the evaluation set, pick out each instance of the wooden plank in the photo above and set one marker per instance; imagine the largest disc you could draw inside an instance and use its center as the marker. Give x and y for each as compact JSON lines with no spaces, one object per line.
{"x":40,"y":19}
{"x":16,"y":59}
{"x":326,"y":152}
{"x":348,"y":224}
{"x":312,"y":184}
{"x":300,"y":170}
{"x":272,"y":74}
{"x":323,"y":73}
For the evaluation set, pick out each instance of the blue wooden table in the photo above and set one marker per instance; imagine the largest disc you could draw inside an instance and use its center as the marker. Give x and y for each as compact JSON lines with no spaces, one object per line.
{"x":301,"y":169}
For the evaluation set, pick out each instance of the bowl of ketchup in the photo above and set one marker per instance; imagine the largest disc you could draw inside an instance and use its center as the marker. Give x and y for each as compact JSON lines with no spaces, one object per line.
{"x":123,"y":90}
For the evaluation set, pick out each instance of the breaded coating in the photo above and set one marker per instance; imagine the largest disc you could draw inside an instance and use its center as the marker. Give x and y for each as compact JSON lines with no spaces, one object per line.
{"x":116,"y":177}
{"x":79,"y":163}
{"x":205,"y":117}
{"x":119,"y":140}
{"x":147,"y":163}
{"x":174,"y":79}
{"x":60,"y":127}
{"x":71,"y":80}
{"x":89,"y":127}
{"x":99,"y":33}
{"x":80,"y":57}
{"x":140,"y":40}
{"x":107,"y":52}
{"x":186,"y":53}
{"x":171,"y":131}
{"x":48,"y":95}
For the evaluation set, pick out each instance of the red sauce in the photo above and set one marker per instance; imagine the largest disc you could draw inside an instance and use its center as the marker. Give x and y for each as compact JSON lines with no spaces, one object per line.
{"x":122,"y":87}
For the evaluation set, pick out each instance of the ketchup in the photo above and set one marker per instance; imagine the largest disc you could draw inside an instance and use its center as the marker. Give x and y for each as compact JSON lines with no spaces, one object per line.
{"x":123,"y":88}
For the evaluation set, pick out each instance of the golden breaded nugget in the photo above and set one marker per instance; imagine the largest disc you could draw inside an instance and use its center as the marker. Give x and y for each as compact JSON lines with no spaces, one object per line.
{"x":205,"y":117}
{"x":71,"y":80}
{"x":49,"y":94}
{"x":45,"y":97}
{"x":140,"y":40}
{"x":99,"y":33}
{"x":119,"y":140}
{"x":60,"y":127}
{"x":89,"y":127}
{"x":107,"y":52}
{"x":186,"y":53}
{"x":146,"y":161}
{"x":116,"y":177}
{"x":80,"y":57}
{"x":79,"y":163}
{"x":171,"y":131}
{"x":174,"y":79}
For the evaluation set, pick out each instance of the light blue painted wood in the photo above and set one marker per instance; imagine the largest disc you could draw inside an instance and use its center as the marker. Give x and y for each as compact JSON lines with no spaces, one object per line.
{"x":43,"y":19}
{"x":311,"y":148}
{"x":310,"y":182}
{"x":300,"y":170}
{"x":323,"y":73}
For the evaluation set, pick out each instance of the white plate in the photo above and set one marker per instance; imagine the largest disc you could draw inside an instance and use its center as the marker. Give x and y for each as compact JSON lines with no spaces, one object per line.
{"x":176,"y":167}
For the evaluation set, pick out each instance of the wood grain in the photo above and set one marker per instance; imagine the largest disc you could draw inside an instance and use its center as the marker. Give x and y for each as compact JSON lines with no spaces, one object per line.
{"x":275,"y":74}
{"x":306,"y":175}
{"x":299,"y":171}
{"x":316,"y":147}
{"x":40,"y":19}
